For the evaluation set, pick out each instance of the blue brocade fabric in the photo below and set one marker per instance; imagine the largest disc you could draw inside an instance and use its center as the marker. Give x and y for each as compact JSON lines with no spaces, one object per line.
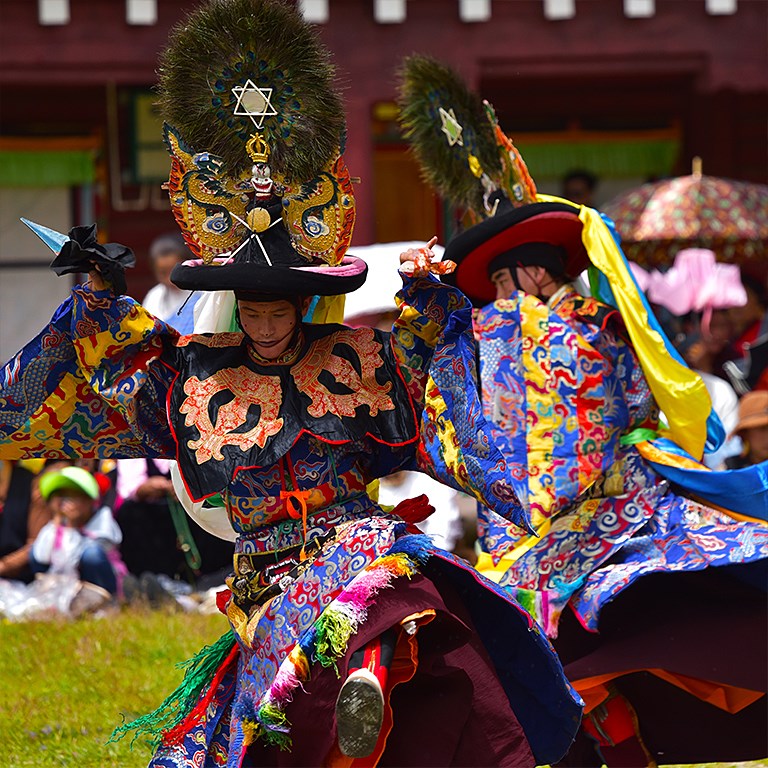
{"x":564,"y":386}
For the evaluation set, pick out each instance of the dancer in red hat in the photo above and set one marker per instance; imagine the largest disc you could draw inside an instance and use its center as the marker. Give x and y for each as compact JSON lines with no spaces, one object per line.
{"x":644,"y":565}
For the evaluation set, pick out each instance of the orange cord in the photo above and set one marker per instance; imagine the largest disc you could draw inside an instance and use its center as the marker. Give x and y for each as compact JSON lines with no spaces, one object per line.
{"x":301,"y":498}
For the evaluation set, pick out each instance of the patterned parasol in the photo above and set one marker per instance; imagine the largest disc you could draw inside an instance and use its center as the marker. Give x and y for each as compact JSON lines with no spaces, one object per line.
{"x":657,"y":220}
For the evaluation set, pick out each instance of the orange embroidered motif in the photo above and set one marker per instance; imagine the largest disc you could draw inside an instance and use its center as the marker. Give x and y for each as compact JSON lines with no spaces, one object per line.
{"x":214,"y":341}
{"x":248,"y":389}
{"x":365,"y":389}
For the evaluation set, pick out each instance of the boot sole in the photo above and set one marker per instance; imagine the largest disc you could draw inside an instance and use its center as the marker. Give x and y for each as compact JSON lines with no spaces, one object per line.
{"x":359,"y":715}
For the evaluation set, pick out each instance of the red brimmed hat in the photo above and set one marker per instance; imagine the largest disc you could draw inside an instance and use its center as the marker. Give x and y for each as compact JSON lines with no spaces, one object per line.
{"x":469,"y":160}
{"x":473,"y":250}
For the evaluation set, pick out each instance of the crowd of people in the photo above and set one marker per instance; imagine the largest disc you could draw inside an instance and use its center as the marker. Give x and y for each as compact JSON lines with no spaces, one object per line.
{"x":111,"y":532}
{"x":232,"y":433}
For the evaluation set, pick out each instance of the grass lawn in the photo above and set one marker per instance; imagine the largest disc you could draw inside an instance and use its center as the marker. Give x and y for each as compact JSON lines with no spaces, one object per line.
{"x":63,"y":685}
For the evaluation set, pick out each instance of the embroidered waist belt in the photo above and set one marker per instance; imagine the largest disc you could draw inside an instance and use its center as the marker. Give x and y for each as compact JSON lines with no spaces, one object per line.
{"x":265,"y":510}
{"x":259,"y":576}
{"x":284,"y":534}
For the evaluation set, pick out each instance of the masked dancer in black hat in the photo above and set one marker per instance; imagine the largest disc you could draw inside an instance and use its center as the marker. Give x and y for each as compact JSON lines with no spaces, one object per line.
{"x":353,"y":640}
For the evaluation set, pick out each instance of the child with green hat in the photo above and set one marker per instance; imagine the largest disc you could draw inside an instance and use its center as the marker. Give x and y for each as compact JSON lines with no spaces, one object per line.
{"x":80,"y":538}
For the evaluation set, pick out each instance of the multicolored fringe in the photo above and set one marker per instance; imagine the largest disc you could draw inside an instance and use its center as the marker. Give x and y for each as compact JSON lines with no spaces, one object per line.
{"x":327,"y":639}
{"x":546,"y":605}
{"x":185,"y":707}
{"x":537,"y":604}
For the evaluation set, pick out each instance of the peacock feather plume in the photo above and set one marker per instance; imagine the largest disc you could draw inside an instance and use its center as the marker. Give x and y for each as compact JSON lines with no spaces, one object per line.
{"x":234,"y":68}
{"x":516,"y":179}
{"x":458,"y":144}
{"x":446,"y":126}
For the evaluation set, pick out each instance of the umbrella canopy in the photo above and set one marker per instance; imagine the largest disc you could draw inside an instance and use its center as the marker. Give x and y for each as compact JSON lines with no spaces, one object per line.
{"x":657,"y":220}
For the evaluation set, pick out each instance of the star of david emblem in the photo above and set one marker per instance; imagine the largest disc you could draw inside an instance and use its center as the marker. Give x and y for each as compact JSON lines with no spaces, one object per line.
{"x":451,"y":127}
{"x":253,"y":102}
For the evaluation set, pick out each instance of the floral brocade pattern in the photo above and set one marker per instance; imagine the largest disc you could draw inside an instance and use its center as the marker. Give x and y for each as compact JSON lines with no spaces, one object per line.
{"x":62,"y":395}
{"x":248,"y":389}
{"x":608,"y":517}
{"x":363,"y":388}
{"x":559,"y":404}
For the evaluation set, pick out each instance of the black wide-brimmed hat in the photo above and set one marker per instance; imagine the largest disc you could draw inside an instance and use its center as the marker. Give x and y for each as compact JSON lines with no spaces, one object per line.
{"x":267,"y":263}
{"x":300,"y":280}
{"x":473,"y":250}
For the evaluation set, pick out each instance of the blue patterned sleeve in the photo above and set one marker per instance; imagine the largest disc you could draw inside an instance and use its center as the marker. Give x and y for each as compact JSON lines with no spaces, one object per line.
{"x":92,"y":383}
{"x":435,"y":351}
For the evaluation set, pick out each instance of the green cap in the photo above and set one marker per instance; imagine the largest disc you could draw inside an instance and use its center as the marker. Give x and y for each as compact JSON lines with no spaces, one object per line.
{"x":69,"y":477}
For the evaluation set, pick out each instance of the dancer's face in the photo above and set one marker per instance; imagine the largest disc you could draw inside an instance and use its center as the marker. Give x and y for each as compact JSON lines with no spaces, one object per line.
{"x":504,"y":282}
{"x":269,"y":325}
{"x":530,"y":279}
{"x":533,"y":280}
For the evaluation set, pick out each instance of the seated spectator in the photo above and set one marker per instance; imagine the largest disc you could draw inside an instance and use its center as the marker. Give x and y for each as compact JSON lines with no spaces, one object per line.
{"x":158,"y":535}
{"x":80,"y":538}
{"x":709,"y":349}
{"x":697,"y":350}
{"x":752,"y":427}
{"x":23,"y":513}
{"x":750,"y":321}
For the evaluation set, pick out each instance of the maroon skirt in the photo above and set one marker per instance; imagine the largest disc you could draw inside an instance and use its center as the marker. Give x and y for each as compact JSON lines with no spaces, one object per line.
{"x":451,"y":712}
{"x":706,"y":625}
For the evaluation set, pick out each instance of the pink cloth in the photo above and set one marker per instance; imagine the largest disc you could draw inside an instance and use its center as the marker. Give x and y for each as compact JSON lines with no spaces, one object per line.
{"x":131,"y":473}
{"x":694,"y":283}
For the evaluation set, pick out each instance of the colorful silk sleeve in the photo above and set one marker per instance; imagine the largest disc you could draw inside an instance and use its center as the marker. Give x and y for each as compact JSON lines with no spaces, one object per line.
{"x":562,"y":392}
{"x":740,"y":491}
{"x":425,"y":306}
{"x":89,"y":384}
{"x":433,"y":344}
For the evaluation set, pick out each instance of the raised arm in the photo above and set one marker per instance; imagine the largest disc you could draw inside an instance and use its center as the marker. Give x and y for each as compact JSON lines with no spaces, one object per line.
{"x":434,"y":348}
{"x":92,"y":383}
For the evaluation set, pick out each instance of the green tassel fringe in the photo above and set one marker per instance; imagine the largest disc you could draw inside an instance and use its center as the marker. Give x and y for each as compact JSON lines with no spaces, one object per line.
{"x":200,"y":670}
{"x":333,"y":632}
{"x":270,"y":714}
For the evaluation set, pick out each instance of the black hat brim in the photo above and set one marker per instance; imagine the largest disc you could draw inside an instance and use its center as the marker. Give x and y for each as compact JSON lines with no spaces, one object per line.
{"x":261,"y":278}
{"x":474,"y":249}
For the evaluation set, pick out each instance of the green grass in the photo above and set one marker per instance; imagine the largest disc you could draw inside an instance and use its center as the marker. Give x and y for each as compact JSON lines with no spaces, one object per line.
{"x":64,"y":685}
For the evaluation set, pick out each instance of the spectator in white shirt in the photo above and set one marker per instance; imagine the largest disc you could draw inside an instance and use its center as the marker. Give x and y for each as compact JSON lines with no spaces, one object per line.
{"x":165,"y":299}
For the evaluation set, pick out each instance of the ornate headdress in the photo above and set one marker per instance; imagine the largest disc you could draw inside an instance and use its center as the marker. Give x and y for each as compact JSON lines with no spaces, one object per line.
{"x":255,"y":130}
{"x":467,"y":158}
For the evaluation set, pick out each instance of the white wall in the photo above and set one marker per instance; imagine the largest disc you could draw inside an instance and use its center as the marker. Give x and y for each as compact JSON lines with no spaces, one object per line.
{"x":28,"y":296}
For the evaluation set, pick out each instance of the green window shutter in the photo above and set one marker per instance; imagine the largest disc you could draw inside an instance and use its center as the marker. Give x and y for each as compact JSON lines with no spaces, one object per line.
{"x":46,"y":168}
{"x":608,"y":159}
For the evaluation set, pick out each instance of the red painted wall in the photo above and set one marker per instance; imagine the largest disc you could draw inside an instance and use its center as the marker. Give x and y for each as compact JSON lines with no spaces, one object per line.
{"x":723,"y":59}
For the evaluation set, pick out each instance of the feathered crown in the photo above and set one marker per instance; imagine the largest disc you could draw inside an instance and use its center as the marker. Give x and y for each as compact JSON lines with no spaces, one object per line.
{"x":466,"y":157}
{"x":461,"y":150}
{"x":244,"y":83}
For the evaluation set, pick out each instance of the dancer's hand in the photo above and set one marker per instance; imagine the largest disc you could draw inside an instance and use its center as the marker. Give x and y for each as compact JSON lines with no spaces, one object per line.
{"x":95,"y":279}
{"x":418,"y":262}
